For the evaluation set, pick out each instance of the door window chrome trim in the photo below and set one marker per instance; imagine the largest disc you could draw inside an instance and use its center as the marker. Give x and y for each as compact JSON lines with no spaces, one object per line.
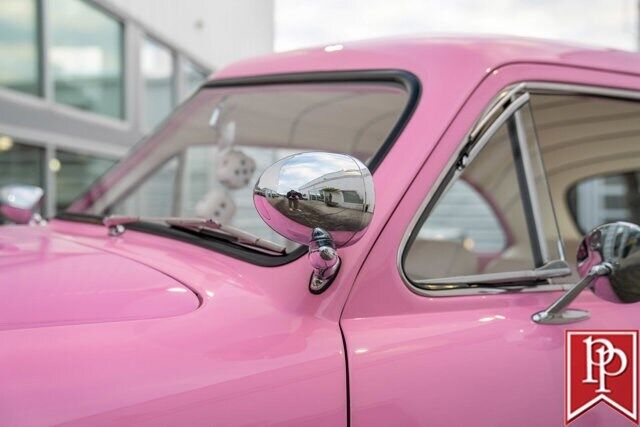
{"x":465,"y":155}
{"x":494,"y":109}
{"x":528,"y":191}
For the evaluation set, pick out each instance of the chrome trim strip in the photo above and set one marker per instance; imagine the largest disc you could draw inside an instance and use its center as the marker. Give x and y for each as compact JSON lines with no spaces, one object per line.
{"x":576,"y":89}
{"x":499,"y":100}
{"x":493,"y":278}
{"x":515,"y":105}
{"x":531,"y":192}
{"x":502,"y":99}
{"x":479,"y":145}
{"x":468,"y":290}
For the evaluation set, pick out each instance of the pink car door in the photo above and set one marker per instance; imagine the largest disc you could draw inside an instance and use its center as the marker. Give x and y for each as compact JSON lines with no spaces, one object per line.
{"x":438,"y":325}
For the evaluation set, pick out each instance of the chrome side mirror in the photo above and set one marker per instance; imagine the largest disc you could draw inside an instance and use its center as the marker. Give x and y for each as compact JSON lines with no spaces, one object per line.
{"x":617,"y":246}
{"x":19,"y":203}
{"x":323,"y":200}
{"x":609,"y":264}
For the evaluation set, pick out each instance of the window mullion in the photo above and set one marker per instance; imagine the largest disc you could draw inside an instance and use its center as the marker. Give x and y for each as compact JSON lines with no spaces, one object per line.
{"x":44,"y":41}
{"x":526,"y":182}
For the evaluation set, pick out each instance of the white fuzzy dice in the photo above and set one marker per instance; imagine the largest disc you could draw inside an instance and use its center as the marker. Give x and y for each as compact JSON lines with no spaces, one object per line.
{"x":216,"y":204}
{"x":234,"y":169}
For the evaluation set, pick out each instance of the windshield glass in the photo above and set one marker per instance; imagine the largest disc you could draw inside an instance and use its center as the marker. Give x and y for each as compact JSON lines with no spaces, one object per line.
{"x":204,"y":160}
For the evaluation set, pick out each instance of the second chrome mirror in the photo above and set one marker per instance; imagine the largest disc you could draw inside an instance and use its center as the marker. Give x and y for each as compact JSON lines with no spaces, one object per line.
{"x":617,"y":246}
{"x":609,"y":264}
{"x":19,"y":203}
{"x":323,"y":200}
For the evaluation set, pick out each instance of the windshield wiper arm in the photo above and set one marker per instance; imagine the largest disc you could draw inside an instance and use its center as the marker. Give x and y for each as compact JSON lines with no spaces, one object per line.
{"x":207,"y":226}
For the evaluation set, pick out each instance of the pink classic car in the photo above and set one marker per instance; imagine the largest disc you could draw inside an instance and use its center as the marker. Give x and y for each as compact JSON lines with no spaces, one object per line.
{"x":236,"y":268}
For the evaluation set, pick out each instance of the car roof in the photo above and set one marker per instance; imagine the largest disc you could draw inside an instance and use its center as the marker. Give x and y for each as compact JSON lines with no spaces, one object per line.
{"x":419,"y":54}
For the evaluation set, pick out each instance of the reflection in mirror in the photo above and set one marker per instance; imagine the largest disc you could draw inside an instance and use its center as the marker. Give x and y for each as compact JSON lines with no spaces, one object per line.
{"x":618,"y":245}
{"x":316,"y":190}
{"x":323,"y":200}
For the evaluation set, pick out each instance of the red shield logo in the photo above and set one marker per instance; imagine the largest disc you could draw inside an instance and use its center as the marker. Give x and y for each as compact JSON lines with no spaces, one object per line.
{"x":601,"y":366}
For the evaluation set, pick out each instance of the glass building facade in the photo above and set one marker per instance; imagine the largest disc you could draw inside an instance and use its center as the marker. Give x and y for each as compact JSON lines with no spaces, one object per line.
{"x":80,"y":84}
{"x":86,"y":58}
{"x":158,"y":73}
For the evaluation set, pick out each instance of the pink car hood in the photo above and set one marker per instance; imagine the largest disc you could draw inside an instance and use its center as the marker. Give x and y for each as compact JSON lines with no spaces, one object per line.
{"x":50,"y":280}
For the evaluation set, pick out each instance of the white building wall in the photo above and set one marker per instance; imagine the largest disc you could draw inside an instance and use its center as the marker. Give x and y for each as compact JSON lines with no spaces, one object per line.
{"x":215,"y":32}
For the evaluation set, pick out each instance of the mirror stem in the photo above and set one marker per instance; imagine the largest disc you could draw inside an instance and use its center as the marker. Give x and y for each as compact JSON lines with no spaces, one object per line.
{"x":556,"y":313}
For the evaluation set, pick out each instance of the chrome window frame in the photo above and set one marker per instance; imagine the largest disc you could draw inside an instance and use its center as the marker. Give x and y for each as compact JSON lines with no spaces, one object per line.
{"x":504,"y":106}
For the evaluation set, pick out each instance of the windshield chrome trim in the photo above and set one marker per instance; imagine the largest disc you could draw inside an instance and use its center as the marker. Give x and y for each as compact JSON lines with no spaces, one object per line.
{"x":423,"y":287}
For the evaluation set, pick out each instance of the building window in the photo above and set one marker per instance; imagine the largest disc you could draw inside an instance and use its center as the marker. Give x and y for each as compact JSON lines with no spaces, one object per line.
{"x":158,"y":75}
{"x":74,"y":173}
{"x":20,"y":163}
{"x":86,"y":58}
{"x":193,"y":77}
{"x":19,"y":46}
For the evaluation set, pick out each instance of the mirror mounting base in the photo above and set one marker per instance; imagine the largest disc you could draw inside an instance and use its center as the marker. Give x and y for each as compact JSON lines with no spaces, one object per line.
{"x":318,"y":284}
{"x":324,"y":259}
{"x":566,"y":316}
{"x":557,"y":314}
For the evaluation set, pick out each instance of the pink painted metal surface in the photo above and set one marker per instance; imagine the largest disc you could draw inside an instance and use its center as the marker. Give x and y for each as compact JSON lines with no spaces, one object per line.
{"x":257,"y":351}
{"x":473,"y":360}
{"x":260,"y":349}
{"x":48,"y":280}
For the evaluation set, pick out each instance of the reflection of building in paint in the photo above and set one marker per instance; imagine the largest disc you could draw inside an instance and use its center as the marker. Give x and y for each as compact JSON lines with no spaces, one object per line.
{"x":342,"y":188}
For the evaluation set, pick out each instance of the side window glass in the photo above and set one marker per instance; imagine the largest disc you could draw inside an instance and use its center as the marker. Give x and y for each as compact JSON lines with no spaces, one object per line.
{"x":601,"y":199}
{"x":540,"y":207}
{"x":465,"y":217}
{"x":590,"y":150}
{"x":496,"y":216}
{"x":476,"y":221}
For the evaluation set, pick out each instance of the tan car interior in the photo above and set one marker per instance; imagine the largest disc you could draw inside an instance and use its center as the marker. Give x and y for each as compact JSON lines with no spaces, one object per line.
{"x":579,"y":137}
{"x":361,"y":116}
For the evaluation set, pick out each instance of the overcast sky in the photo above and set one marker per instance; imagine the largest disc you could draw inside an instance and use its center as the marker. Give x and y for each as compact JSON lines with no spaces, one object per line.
{"x":610,"y":23}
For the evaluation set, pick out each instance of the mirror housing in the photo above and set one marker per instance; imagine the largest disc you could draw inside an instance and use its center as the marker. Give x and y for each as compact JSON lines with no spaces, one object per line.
{"x":617,"y":244}
{"x":609,"y":264}
{"x":322,"y":200}
{"x":19,"y":203}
